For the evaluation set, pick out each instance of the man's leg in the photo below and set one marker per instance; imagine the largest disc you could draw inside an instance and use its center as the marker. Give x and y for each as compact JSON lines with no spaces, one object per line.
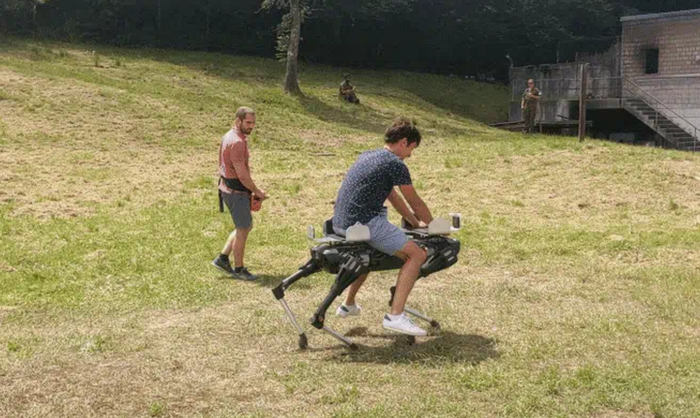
{"x":526,"y":119}
{"x":349,"y":307}
{"x":239,"y":207}
{"x":415,"y":256}
{"x":353,"y":289}
{"x":397,"y":320}
{"x":228,"y":248}
{"x":530,"y":121}
{"x":241,"y":237}
{"x":222,"y":261}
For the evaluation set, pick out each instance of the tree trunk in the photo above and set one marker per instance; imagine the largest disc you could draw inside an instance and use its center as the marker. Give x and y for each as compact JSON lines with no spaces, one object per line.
{"x":206,"y":46}
{"x":291,"y":82}
{"x":126,"y":30}
{"x":159,"y":19}
{"x":34,"y":26}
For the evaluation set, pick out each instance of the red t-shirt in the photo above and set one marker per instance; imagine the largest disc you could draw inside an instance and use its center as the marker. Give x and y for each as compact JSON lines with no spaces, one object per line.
{"x":233,"y":157}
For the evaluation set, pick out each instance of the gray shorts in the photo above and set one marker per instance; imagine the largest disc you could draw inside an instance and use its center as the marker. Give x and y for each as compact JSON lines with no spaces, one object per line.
{"x":238,"y":205}
{"x":384,"y":236}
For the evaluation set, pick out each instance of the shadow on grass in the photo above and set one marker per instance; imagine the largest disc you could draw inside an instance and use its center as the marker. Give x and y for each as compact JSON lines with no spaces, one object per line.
{"x":356,"y":117}
{"x":264,"y":280}
{"x":272,"y":281}
{"x":445,"y":347}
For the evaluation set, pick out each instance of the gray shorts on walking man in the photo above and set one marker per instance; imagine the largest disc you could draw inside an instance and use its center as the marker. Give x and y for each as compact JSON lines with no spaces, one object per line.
{"x":238,"y":205}
{"x":384,"y":236}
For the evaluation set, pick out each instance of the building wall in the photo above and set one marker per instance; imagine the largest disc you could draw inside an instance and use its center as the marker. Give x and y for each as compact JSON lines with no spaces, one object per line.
{"x":678,"y":41}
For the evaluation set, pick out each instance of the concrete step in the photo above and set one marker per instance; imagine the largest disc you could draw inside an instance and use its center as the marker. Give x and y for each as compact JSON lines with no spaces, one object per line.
{"x":678,"y":136}
{"x":674,"y":128}
{"x":671,"y":126}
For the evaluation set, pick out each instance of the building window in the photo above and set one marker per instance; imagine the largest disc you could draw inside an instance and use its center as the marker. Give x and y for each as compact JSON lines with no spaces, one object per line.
{"x":652,"y":61}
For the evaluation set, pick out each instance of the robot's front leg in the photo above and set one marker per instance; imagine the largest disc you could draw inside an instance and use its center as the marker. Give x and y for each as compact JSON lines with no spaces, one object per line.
{"x":351,"y":270}
{"x":306,"y":270}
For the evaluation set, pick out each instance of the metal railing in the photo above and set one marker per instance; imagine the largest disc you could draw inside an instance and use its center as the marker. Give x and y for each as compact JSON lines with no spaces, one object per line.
{"x":569,"y":88}
{"x":656,"y":104}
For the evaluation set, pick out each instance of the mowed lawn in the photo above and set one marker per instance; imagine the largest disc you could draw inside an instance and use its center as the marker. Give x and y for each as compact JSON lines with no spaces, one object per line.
{"x":577,"y":292}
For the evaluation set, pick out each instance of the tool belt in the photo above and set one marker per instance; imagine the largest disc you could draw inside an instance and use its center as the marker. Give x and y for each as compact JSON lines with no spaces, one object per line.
{"x":235,"y":185}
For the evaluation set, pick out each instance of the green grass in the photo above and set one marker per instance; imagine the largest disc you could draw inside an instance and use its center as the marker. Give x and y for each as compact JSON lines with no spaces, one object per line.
{"x":576,"y":293}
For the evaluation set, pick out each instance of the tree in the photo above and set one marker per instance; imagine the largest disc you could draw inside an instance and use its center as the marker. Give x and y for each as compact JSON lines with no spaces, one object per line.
{"x":22,"y":13}
{"x":288,"y":39}
{"x":291,"y":80}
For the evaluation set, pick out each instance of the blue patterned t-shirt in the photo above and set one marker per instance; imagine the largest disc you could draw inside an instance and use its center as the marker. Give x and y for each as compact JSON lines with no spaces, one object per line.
{"x":367,"y":186}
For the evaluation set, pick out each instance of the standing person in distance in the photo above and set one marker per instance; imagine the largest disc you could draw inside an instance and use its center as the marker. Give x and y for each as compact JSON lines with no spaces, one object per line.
{"x":531,"y":97}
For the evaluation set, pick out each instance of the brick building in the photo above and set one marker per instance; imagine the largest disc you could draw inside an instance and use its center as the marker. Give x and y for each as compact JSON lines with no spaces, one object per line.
{"x":661,"y":53}
{"x":644,"y":89}
{"x":661,"y":44}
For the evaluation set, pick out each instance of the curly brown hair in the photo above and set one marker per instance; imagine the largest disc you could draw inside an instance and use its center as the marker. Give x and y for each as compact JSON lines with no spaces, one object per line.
{"x":400,"y":129}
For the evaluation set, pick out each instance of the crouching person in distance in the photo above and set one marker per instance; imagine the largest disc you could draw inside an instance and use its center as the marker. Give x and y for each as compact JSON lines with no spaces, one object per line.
{"x":368,"y":184}
{"x":237,"y":187}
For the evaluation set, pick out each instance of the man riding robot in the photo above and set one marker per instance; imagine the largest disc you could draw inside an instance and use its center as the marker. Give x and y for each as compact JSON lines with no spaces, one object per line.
{"x":359,"y":239}
{"x":370,"y":182}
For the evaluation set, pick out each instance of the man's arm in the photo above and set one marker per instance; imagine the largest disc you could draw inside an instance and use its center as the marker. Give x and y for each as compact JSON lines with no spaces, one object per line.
{"x":244,"y":174}
{"x":537,"y":95}
{"x":419,"y":207}
{"x":398,"y":203}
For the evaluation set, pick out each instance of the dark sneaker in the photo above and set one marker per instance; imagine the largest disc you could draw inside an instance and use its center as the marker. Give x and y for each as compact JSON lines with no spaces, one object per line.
{"x":244,"y":274}
{"x":224,"y":266}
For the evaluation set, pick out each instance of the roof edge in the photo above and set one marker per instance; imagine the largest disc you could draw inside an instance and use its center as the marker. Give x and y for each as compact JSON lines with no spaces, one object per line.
{"x":667,"y":15}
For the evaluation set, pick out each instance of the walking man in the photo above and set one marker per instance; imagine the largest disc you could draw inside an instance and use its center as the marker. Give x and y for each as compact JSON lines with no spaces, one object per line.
{"x":368,"y":184}
{"x":237,"y":188}
{"x":531,"y":98}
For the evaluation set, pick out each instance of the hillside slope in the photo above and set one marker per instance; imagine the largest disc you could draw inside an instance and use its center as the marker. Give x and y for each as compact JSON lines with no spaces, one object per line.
{"x":576,"y":294}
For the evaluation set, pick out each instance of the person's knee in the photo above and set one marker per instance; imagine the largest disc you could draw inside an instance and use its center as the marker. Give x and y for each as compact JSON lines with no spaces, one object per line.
{"x":414,"y":252}
{"x":421,"y":256}
{"x":243,"y":232}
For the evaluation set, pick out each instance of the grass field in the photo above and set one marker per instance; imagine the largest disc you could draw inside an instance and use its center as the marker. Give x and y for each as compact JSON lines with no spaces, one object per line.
{"x":577,"y":292}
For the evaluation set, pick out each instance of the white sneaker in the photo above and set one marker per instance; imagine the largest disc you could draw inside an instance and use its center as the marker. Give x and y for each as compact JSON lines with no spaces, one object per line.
{"x":404,"y":325}
{"x":344,"y":310}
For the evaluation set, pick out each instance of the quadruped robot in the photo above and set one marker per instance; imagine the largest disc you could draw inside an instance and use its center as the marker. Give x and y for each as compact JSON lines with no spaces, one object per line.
{"x":350,"y":257}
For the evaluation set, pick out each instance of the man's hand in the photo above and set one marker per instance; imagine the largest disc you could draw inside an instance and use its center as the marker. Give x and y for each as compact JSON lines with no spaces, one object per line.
{"x":416,"y":223}
{"x":419,"y":207}
{"x":261,"y":194}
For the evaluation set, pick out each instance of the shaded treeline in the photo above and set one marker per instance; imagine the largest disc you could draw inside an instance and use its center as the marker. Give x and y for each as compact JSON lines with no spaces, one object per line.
{"x":443,"y":36}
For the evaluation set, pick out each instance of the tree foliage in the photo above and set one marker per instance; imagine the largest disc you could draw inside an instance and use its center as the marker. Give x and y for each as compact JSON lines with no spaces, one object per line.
{"x":447,"y":36}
